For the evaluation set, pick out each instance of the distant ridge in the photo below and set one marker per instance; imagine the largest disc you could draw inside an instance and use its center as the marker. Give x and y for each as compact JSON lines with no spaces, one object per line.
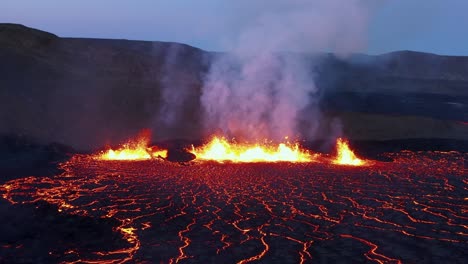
{"x":22,"y":36}
{"x":17,"y":28}
{"x":90,"y":92}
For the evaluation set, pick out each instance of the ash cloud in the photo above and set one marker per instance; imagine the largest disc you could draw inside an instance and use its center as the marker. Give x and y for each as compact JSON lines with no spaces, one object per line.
{"x":260,"y":88}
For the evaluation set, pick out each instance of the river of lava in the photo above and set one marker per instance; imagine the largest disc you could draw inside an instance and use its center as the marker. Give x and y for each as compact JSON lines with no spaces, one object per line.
{"x":410,"y":210}
{"x":219,"y":149}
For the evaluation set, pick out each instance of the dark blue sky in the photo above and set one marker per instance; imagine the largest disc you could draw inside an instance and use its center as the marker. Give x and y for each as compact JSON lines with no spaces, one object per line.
{"x":437,"y":26}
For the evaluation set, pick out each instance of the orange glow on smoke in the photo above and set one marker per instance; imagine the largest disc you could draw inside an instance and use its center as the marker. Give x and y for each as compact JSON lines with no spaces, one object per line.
{"x":136,"y":149}
{"x":219,"y":149}
{"x":345,"y":156}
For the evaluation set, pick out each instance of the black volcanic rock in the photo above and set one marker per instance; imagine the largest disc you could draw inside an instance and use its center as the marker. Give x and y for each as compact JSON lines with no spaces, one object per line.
{"x":179,"y":155}
{"x":90,"y":92}
{"x":21,"y":156}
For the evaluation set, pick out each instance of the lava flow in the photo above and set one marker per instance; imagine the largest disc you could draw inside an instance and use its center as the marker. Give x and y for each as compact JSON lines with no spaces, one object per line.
{"x":136,"y":149}
{"x":220,"y":149}
{"x":295,"y":211}
{"x":345,"y":156}
{"x":206,"y":212}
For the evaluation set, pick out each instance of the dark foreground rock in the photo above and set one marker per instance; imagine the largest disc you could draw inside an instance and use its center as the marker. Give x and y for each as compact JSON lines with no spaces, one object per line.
{"x":38,"y":233}
{"x":180,"y":155}
{"x":21,"y":156}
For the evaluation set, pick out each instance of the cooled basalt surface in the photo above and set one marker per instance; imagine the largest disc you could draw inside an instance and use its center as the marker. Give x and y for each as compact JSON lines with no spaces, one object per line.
{"x":410,"y":210}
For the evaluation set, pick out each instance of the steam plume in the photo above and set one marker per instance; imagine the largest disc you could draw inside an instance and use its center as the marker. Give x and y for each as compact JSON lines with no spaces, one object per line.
{"x":259,"y":89}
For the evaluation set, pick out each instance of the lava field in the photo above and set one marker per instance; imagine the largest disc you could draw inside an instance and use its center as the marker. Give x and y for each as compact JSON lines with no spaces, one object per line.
{"x":411,"y":209}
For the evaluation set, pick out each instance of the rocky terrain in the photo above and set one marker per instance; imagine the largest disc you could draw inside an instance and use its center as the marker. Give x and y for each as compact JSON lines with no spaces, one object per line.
{"x":89,"y":92}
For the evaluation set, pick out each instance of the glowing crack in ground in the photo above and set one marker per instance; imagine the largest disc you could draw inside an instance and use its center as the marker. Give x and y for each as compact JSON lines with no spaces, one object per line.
{"x":390,"y":212}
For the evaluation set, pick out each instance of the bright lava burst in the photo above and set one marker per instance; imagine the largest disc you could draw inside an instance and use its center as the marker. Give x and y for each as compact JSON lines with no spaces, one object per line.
{"x":219,"y":149}
{"x":345,"y":156}
{"x":134,"y":150}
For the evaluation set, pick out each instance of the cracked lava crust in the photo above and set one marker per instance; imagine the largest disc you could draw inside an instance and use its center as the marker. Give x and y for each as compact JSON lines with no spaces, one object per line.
{"x":410,"y":210}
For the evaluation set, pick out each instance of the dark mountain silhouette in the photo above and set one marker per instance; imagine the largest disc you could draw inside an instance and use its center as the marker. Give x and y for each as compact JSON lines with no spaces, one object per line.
{"x":90,"y":92}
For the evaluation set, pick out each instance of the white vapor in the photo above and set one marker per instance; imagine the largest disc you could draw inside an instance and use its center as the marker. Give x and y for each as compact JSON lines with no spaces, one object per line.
{"x":258,"y":90}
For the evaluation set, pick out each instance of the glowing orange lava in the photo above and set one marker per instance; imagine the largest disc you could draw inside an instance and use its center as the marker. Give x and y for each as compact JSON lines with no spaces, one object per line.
{"x":219,"y":149}
{"x":345,"y":156}
{"x":134,"y":150}
{"x":161,"y":212}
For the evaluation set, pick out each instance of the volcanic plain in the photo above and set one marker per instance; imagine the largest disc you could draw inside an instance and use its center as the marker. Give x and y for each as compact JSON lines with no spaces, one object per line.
{"x":411,"y":208}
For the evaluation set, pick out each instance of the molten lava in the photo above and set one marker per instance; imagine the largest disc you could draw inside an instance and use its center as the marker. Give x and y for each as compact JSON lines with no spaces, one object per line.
{"x":219,"y":149}
{"x":136,"y":149}
{"x":345,"y":156}
{"x":161,"y":212}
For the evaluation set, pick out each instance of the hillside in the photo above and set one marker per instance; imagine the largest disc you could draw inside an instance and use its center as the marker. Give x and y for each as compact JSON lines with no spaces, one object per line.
{"x":91,"y":92}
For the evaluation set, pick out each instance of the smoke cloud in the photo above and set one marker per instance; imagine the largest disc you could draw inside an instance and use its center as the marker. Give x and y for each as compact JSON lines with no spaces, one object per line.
{"x":176,"y":90}
{"x":259,"y":89}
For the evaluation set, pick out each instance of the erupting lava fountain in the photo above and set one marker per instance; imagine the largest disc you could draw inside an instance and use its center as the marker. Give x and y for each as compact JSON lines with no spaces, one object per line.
{"x":137,"y":149}
{"x":345,"y":156}
{"x":219,"y":149}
